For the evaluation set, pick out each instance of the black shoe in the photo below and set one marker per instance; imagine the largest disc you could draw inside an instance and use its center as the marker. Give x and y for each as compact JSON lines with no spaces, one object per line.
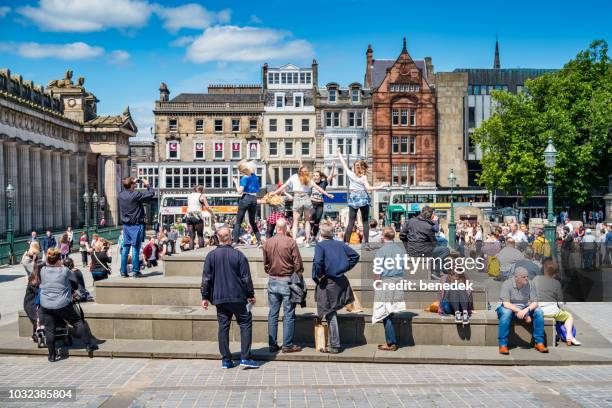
{"x":53,"y":357}
{"x":90,"y":348}
{"x":137,"y":275}
{"x":274,"y":349}
{"x":125,"y":275}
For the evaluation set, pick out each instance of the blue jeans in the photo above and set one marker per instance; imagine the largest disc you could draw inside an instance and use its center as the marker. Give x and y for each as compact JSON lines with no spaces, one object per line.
{"x":279,"y":292}
{"x":133,"y":235}
{"x":506,"y":316}
{"x":389,"y":331}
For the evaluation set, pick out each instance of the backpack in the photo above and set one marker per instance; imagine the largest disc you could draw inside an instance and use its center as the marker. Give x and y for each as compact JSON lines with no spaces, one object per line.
{"x":494,"y":267}
{"x":542,"y":248}
{"x":562,"y":331}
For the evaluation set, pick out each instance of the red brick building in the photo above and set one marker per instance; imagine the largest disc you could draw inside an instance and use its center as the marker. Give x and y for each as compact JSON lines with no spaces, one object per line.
{"x":403,"y":119}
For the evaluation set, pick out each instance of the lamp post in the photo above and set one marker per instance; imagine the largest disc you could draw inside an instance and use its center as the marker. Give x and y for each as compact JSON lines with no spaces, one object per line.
{"x":452,"y":233}
{"x":10,"y":196}
{"x":388,"y":212}
{"x":550,"y":159}
{"x":86,"y":202}
{"x":94,"y":200}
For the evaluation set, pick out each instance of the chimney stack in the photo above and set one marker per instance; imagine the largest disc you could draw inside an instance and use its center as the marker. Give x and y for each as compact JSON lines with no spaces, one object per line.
{"x":369,"y":63}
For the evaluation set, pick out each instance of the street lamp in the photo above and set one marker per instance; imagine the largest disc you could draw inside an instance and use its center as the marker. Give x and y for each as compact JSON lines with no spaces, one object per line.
{"x":550,"y":159}
{"x":452,"y":234}
{"x":10,"y":196}
{"x":388,"y":213}
{"x":86,"y":201}
{"x":94,"y":200}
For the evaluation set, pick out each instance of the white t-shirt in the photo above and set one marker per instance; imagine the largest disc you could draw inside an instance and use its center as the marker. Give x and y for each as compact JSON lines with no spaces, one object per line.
{"x":193,"y":202}
{"x":297,"y":186}
{"x":519,"y":236}
{"x":356,"y":183}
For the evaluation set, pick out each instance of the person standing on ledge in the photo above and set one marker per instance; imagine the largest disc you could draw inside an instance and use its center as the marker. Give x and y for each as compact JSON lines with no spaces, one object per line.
{"x":227,"y":284}
{"x":248,"y":186}
{"x":132,"y":218}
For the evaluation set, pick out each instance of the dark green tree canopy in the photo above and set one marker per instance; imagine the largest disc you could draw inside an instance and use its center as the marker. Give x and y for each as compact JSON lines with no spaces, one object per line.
{"x":574,"y":107}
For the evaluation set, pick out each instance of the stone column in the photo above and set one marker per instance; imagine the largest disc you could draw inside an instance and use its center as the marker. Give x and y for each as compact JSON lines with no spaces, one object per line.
{"x":83,"y":170}
{"x":110,"y":191}
{"x":25,"y":189}
{"x":10,"y":160}
{"x":2,"y":187}
{"x":125,"y":171}
{"x":38,"y":222}
{"x":56,"y":208}
{"x":46,"y":174}
{"x":66,"y":190}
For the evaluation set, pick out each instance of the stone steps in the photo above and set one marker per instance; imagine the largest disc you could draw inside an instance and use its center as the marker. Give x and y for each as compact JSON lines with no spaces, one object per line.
{"x":185,"y":291}
{"x":413,"y":327}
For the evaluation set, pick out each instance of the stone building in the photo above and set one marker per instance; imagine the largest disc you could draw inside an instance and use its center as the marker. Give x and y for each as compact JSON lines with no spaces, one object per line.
{"x":53,"y":148}
{"x":289,"y":119}
{"x":403,"y":120}
{"x":142,"y":150}
{"x":344,"y":121}
{"x":200,"y":137}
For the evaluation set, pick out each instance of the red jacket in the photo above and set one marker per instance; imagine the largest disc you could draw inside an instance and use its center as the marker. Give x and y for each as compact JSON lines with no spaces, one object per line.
{"x":147,"y":251}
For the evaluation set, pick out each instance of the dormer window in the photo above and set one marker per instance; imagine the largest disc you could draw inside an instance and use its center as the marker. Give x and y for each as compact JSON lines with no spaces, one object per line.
{"x":355,"y":95}
{"x":298,"y":100}
{"x":279,"y":99}
{"x":333,"y":93}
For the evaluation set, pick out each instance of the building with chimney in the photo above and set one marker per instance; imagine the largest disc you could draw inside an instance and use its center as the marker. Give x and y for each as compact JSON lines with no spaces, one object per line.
{"x":54,"y":147}
{"x":289,"y":119}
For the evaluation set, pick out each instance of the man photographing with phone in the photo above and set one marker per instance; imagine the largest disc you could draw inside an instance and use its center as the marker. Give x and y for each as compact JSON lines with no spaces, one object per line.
{"x":133,"y":218}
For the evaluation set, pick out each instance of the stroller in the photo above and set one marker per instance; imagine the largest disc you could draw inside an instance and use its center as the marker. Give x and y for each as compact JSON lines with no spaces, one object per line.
{"x":62,"y":330}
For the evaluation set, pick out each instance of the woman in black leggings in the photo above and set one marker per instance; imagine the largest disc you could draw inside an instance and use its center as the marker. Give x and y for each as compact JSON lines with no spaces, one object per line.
{"x":247,"y":187}
{"x":321,"y":180}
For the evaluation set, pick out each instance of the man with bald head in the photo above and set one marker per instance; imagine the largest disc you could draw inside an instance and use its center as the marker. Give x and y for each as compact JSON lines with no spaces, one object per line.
{"x":281,"y":260}
{"x":519,"y":300}
{"x":227,"y":284}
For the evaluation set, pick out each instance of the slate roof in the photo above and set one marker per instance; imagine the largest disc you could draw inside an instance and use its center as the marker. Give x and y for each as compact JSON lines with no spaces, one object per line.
{"x":379,"y":70}
{"x":109,"y":120}
{"x":205,"y":97}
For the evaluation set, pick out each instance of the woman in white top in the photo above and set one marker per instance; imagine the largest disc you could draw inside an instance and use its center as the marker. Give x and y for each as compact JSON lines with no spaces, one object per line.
{"x":302,"y":186}
{"x":358,"y":199}
{"x":194,"y":220}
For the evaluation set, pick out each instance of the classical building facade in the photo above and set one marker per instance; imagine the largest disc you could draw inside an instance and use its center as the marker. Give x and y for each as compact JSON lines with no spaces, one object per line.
{"x":344,"y":121}
{"x":53,"y":148}
{"x":200,"y":137}
{"x":289,"y":119}
{"x":404,"y":143}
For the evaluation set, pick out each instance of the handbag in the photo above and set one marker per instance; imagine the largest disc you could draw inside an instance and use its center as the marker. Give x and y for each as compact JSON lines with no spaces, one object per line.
{"x":321,"y":334}
{"x":107,"y":270}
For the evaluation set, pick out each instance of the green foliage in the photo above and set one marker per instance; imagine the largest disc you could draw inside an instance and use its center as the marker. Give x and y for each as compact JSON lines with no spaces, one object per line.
{"x":574,"y":107}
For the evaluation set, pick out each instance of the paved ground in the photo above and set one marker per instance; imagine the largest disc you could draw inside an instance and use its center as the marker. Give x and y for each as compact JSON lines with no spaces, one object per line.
{"x":189,"y":383}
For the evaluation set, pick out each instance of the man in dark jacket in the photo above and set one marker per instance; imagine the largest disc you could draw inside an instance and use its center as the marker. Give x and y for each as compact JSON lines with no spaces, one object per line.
{"x":281,"y":260}
{"x":48,"y":242}
{"x":132,"y":217}
{"x":227,"y":284}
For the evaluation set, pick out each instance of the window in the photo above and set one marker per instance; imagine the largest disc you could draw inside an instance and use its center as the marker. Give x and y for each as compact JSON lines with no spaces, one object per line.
{"x":270,"y":77}
{"x":289,"y":78}
{"x":355,"y":119}
{"x":404,"y":145}
{"x":328,"y":119}
{"x":172,"y":125}
{"x":302,"y":77}
{"x":412,"y":117}
{"x":272,"y":125}
{"x":412,"y":143}
{"x":199,"y":125}
{"x":332,"y":95}
{"x":173,"y":150}
{"x":288,"y":125}
{"x":336,"y":116}
{"x":236,"y":150}
{"x":340,"y":177}
{"x":283,"y":77}
{"x":330,"y":147}
{"x":395,"y":175}
{"x":280,"y":100}
{"x":395,"y":116}
{"x":198,"y":150}
{"x":404,"y":174}
{"x":218,"y":150}
{"x":276,"y":78}
{"x":235,"y":125}
{"x":297,"y":100}
{"x":355,"y":95}
{"x":305,"y":149}
{"x":471,"y":117}
{"x":305,"y":125}
{"x":273,"y":148}
{"x":404,"y":117}
{"x":308,"y":78}
{"x":341,"y":145}
{"x":289,"y":148}
{"x":395,"y":144}
{"x":252,"y":124}
{"x":218,"y":125}
{"x":253,"y":150}
{"x":413,"y":174}
{"x":288,"y":172}
{"x":358,"y":147}
{"x":349,"y":146}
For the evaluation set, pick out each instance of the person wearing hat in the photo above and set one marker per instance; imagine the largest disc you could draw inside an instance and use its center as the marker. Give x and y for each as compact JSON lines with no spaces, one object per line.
{"x":458,"y":302}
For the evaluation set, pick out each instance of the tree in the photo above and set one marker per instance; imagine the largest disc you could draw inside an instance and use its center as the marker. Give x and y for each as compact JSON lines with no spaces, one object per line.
{"x":574,"y":107}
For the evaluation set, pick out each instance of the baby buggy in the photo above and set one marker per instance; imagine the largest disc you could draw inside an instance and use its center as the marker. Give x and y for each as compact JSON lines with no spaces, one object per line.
{"x":62,"y":331}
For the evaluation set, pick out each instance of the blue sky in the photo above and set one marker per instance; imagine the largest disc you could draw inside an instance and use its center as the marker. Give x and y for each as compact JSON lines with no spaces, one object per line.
{"x":125,"y":48}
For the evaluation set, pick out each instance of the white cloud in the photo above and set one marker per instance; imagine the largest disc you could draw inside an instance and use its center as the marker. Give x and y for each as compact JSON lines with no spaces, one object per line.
{"x":182,"y":41}
{"x":254,"y":19}
{"x":191,"y":15}
{"x":119,"y":57}
{"x":87,"y":15}
{"x":232,"y":43}
{"x":4,"y":11}
{"x":71,"y":51}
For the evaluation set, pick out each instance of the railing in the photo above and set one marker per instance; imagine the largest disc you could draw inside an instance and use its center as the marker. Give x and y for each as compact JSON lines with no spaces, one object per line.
{"x":21,"y":244}
{"x":188,"y":106}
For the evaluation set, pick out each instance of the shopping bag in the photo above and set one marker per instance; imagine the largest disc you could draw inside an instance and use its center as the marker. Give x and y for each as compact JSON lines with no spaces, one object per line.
{"x":321,"y":333}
